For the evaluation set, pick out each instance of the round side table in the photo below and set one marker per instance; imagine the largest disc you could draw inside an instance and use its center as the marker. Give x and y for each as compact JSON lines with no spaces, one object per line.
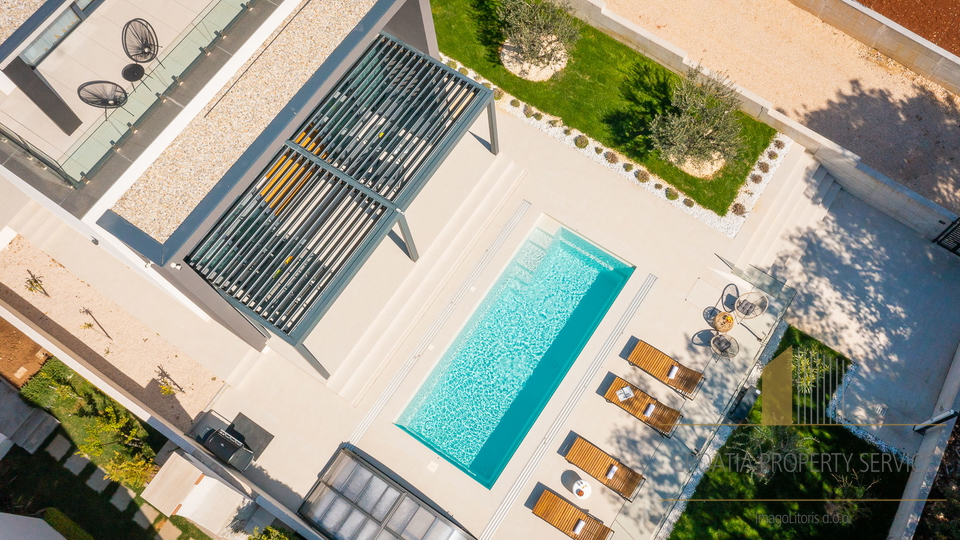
{"x":724,"y":322}
{"x":581,"y":489}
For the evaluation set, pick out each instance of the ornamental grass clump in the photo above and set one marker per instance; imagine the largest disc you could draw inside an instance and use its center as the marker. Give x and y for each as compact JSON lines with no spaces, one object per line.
{"x":497,"y":94}
{"x":756,"y":178}
{"x":672,"y":194}
{"x":772,"y":155}
{"x":538,"y":115}
{"x":628,"y":167}
{"x":763,"y":167}
{"x":701,"y":125}
{"x":541,"y":30}
{"x":612,"y":157}
{"x":778,"y":144}
{"x":688,"y":202}
{"x":738,"y":209}
{"x":642,"y":175}
{"x":514,"y":102}
{"x":581,"y":141}
{"x":598,"y":149}
{"x":528,"y":110}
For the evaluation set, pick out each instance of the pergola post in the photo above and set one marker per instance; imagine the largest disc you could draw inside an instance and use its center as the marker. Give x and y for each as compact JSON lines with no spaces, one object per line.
{"x":492,"y":126}
{"x":408,"y":238}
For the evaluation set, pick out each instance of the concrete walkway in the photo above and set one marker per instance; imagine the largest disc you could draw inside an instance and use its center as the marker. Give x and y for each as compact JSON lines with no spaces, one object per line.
{"x":901,"y":124}
{"x":882,"y":295}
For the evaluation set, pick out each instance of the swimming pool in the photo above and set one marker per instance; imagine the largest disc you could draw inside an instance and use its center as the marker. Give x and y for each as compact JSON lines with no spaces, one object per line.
{"x":478,"y":403}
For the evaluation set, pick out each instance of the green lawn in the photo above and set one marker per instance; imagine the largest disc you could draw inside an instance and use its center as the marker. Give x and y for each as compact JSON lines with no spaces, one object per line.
{"x":739,"y":519}
{"x":608,"y":91}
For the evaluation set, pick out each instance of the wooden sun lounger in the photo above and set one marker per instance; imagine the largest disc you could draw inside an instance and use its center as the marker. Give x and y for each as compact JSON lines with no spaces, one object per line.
{"x":566,"y":517}
{"x":648,"y":358}
{"x":663,"y":419}
{"x":602,"y":466}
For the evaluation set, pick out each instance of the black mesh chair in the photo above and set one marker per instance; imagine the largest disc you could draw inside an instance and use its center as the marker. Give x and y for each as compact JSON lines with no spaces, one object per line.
{"x":102,"y":94}
{"x":140,"y":41}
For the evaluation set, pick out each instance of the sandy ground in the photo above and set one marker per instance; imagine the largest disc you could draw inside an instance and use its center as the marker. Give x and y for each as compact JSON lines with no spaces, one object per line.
{"x":899,"y":123}
{"x":124,"y":349}
{"x":13,"y":13}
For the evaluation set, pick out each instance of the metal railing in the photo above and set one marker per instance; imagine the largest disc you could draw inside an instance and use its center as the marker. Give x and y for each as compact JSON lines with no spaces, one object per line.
{"x":35,"y":154}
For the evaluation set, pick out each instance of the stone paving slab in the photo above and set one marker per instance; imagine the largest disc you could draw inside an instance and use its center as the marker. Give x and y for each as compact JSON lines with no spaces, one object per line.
{"x":121,"y":499}
{"x":98,"y":481}
{"x":146,"y":515}
{"x":58,"y":447}
{"x":169,"y":531}
{"x":76,"y":463}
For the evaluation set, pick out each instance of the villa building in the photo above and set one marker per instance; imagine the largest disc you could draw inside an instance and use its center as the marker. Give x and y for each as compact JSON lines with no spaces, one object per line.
{"x":309,"y":222}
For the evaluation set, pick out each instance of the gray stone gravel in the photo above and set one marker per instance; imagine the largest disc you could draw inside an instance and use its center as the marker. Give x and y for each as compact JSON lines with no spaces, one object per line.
{"x":13,"y":13}
{"x":186,"y":171}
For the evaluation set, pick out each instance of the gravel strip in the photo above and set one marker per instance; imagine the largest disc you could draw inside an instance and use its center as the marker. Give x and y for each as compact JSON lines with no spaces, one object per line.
{"x":13,"y":13}
{"x":196,"y":160}
{"x":129,"y":353}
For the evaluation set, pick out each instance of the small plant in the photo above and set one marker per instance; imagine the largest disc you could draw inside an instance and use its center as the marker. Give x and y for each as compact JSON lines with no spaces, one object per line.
{"x":612,"y":157}
{"x":451,"y":64}
{"x":738,"y":209}
{"x":756,"y":178}
{"x":538,"y":116}
{"x":272,"y":534}
{"x":86,"y":326}
{"x":581,"y":141}
{"x":688,"y":202}
{"x":672,"y":194}
{"x":763,"y":167}
{"x":598,"y":149}
{"x":168,"y":386}
{"x":541,"y":30}
{"x":464,"y":71}
{"x":778,"y":144}
{"x":134,"y":472}
{"x":497,"y":94}
{"x":488,"y":85}
{"x":642,"y":175}
{"x":567,"y":131}
{"x":658,"y":186}
{"x":555,"y":122}
{"x":772,"y":155}
{"x":35,"y":284}
{"x":514,"y":102}
{"x":528,"y":110}
{"x":810,"y":361}
{"x":628,"y":167}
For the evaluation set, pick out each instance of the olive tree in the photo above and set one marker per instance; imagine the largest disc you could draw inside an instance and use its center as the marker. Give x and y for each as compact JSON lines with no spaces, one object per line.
{"x":541,"y":30}
{"x":701,"y":125}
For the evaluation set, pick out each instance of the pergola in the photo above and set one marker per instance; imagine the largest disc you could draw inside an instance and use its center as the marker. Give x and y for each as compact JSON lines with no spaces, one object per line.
{"x":293,"y":239}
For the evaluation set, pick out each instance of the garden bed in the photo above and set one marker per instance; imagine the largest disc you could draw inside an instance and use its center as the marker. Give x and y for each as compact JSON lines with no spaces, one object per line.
{"x":730,"y":503}
{"x":608,"y":91}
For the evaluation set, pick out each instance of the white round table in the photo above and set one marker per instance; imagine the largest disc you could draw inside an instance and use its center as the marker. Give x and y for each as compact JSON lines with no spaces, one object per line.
{"x":581,"y":489}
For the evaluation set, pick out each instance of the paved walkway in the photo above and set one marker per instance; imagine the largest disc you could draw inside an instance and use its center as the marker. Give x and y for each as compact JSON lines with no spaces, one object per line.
{"x":879,"y":293}
{"x":900,"y":124}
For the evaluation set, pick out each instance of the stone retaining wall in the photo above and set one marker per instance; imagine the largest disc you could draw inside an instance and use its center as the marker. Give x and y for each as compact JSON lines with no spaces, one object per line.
{"x":888,"y":37}
{"x":899,"y":202}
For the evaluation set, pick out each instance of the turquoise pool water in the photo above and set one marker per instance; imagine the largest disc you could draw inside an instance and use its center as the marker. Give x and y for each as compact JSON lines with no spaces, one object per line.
{"x":491,"y":384}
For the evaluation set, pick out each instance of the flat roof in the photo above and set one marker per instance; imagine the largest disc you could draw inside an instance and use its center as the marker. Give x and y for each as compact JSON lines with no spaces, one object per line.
{"x":293,"y":239}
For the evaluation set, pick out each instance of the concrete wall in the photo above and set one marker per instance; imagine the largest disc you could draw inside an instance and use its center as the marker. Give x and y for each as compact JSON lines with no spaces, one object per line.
{"x":904,"y":205}
{"x":888,"y":37}
{"x":927,"y":461}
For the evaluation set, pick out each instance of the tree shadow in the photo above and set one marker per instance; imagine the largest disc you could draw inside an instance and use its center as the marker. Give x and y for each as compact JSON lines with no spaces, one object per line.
{"x":915,"y":139}
{"x":647,"y":90}
{"x":489,"y":27}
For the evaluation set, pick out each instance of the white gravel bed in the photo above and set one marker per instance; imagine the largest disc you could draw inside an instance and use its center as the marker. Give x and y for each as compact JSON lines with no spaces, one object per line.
{"x":197,"y":159}
{"x":729,"y":224}
{"x":13,"y":13}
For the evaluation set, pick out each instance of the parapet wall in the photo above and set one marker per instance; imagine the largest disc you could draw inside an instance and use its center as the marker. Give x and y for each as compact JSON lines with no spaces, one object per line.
{"x":888,"y":37}
{"x":899,"y":202}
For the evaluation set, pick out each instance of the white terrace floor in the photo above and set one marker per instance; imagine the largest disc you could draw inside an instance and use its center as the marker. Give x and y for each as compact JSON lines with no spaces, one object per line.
{"x":674,"y":255}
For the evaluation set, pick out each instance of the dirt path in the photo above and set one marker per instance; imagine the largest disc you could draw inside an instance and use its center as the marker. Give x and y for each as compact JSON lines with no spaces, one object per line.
{"x":899,"y":123}
{"x":936,"y":20}
{"x":20,"y":357}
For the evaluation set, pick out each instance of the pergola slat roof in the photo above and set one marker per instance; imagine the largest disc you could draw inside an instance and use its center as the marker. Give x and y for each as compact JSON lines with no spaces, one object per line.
{"x":295,"y":237}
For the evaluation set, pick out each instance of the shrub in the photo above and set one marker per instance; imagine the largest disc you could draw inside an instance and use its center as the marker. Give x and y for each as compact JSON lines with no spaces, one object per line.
{"x":628,"y":167}
{"x":272,"y":534}
{"x":642,"y":175}
{"x":810,"y":361}
{"x":134,"y":472}
{"x":672,"y":194}
{"x":778,"y":144}
{"x":598,"y":149}
{"x":451,"y":64}
{"x":658,"y":185}
{"x":538,"y":115}
{"x":514,"y":102}
{"x":612,"y":157}
{"x":763,"y":167}
{"x":567,"y":131}
{"x":756,"y":178}
{"x":700,"y":125}
{"x":772,"y":155}
{"x":688,"y":202}
{"x":464,"y":71}
{"x":581,"y":141}
{"x":488,"y":86}
{"x":64,"y":525}
{"x":738,"y":209}
{"x":528,"y":110}
{"x":497,"y":94}
{"x":541,"y":30}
